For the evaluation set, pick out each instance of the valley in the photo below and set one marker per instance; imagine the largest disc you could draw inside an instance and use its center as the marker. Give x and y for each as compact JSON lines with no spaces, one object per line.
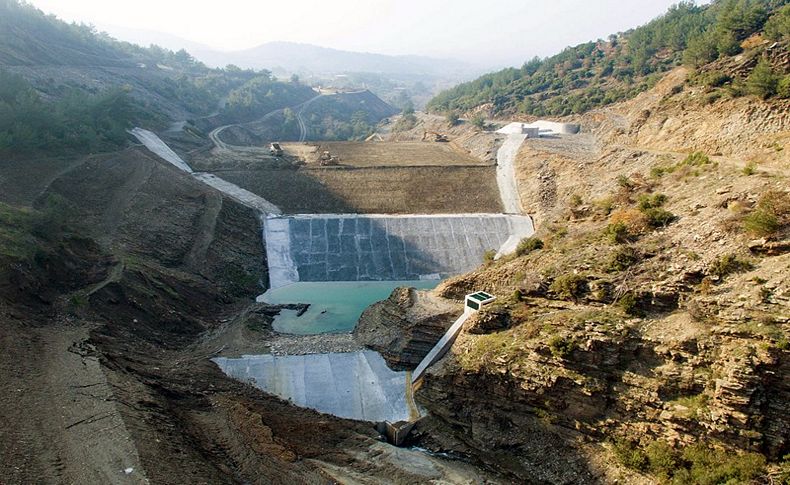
{"x":571,"y":272}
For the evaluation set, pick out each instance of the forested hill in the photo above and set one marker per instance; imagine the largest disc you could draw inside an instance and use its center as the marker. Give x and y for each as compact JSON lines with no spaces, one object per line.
{"x":66,"y":88}
{"x":605,"y":71}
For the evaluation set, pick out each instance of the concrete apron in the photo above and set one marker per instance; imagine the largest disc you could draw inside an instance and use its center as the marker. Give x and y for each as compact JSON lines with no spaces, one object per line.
{"x":352,"y":385}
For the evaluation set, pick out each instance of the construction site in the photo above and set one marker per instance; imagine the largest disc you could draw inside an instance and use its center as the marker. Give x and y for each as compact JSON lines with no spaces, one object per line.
{"x":376,"y":215}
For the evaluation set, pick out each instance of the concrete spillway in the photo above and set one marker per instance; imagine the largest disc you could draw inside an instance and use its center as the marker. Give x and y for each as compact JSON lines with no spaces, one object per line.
{"x":354,"y":385}
{"x":245,"y":197}
{"x":352,"y":247}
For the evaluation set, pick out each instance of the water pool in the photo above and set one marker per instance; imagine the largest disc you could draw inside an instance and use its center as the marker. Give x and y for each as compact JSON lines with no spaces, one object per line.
{"x":335,"y":306}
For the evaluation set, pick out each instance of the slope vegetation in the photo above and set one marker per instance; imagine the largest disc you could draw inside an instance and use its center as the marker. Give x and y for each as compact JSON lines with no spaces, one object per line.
{"x":602,"y":72}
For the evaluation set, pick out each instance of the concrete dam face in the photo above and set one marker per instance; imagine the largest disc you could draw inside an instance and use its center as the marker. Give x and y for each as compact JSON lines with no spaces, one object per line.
{"x":355,"y":247}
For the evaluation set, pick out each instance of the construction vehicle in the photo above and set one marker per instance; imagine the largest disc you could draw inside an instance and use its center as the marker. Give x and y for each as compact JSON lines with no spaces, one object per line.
{"x":275,"y":150}
{"x":328,"y":159}
{"x":434,"y":136}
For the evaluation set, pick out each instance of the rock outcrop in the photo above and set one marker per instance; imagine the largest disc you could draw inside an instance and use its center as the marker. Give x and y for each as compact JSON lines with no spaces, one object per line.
{"x":405,"y":326}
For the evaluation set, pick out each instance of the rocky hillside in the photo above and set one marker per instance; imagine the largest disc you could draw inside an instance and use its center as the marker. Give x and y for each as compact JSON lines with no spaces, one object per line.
{"x":645,"y":328}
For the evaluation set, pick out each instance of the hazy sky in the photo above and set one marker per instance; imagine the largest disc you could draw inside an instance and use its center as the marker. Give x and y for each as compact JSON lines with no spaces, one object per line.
{"x":493,"y":32}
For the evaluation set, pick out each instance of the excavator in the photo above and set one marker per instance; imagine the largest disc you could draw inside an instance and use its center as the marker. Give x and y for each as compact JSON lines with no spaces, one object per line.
{"x":434,"y":136}
{"x":327,"y":159}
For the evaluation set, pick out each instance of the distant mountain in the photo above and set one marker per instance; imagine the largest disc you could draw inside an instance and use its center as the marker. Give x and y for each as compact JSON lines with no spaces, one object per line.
{"x":293,"y":57}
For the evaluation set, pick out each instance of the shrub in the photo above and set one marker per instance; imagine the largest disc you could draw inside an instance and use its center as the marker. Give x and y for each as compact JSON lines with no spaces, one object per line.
{"x":762,"y":81}
{"x":728,"y":264}
{"x":776,"y":201}
{"x":712,"y":79}
{"x":706,"y":465}
{"x":629,"y":455}
{"x":630,"y":305}
{"x":772,"y":212}
{"x":561,"y":347}
{"x":527,"y":245}
{"x":695,"y":464}
{"x":576,"y":200}
{"x":645,"y":201}
{"x":761,"y":223}
{"x":658,"y":217}
{"x":783,"y":87}
{"x":624,"y":182}
{"x":452,"y":118}
{"x":626,"y":224}
{"x":696,"y":159}
{"x":488,"y":256}
{"x":623,"y":259}
{"x":617,"y":233}
{"x":479,"y":121}
{"x":662,"y":459}
{"x":568,"y":287}
{"x":749,"y":169}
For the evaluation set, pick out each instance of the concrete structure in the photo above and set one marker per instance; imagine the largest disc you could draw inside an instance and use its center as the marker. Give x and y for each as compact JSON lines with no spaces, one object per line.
{"x":540,"y":128}
{"x":475,"y":301}
{"x":519,"y":129}
{"x":353,"y":247}
{"x":479,"y":299}
{"x":353,"y":385}
{"x":244,"y":197}
{"x":506,"y":173}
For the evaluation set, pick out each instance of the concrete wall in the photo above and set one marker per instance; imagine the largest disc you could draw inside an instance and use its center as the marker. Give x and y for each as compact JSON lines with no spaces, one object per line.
{"x":351,"y":247}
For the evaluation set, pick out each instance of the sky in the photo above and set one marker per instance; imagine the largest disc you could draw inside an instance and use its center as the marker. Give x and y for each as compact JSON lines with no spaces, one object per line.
{"x":485,"y":33}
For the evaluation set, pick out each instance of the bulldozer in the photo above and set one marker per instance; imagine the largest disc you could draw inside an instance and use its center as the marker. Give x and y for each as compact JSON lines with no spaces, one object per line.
{"x":327,"y":159}
{"x":434,"y":136}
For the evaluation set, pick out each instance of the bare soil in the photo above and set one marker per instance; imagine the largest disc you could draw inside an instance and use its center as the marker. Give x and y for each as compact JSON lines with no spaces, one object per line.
{"x":106,"y":347}
{"x":393,"y":190}
{"x":391,"y":154}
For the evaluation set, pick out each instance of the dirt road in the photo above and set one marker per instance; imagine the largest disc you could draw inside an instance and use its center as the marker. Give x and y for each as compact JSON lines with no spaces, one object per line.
{"x":214,"y":135}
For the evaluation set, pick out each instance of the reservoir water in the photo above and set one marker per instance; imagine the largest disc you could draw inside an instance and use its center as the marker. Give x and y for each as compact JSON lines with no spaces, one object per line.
{"x":335,"y":306}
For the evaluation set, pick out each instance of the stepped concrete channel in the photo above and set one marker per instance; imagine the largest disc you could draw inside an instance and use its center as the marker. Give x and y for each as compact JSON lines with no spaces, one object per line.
{"x":355,"y":247}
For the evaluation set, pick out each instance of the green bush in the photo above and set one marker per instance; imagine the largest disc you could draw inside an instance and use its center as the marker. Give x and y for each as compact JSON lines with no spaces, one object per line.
{"x":624,"y":182}
{"x":761,"y":222}
{"x":657,"y":217}
{"x":618,"y":233}
{"x":630,"y":305}
{"x":697,"y":464}
{"x":728,"y":264}
{"x":778,"y":26}
{"x":489,"y":255}
{"x":783,"y":87}
{"x":568,"y":287}
{"x":749,"y":169}
{"x":662,"y":459}
{"x":623,"y":259}
{"x":478,"y":121}
{"x":696,"y":159}
{"x":705,"y":465}
{"x":645,"y":201}
{"x":527,"y":245}
{"x":562,"y":347}
{"x":629,"y":455}
{"x":762,"y":81}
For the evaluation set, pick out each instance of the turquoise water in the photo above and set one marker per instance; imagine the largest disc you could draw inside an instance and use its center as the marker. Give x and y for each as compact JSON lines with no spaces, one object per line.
{"x":335,"y":306}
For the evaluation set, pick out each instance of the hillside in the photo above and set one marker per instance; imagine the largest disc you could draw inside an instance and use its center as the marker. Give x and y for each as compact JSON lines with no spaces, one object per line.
{"x":53,"y":72}
{"x":602,"y":72}
{"x":641,"y":335}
